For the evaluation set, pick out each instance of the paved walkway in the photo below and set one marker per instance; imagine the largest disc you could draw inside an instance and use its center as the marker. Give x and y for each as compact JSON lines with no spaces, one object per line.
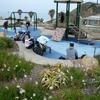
{"x":29,"y":55}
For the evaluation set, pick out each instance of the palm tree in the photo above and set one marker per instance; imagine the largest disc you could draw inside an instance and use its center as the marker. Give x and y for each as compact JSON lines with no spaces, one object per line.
{"x":31,"y":15}
{"x":51,"y":13}
{"x":25,"y":18}
{"x":19,"y":12}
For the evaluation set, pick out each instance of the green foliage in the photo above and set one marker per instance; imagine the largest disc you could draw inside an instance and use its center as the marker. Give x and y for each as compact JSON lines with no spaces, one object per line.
{"x":6,"y":43}
{"x":31,"y":15}
{"x":30,"y":91}
{"x":53,"y":77}
{"x":11,"y":66}
{"x":51,"y":13}
{"x":76,"y":94}
{"x":76,"y":75}
{"x":72,"y":94}
{"x":98,"y":58}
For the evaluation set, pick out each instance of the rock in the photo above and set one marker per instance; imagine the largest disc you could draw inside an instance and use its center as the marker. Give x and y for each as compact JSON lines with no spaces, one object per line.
{"x":86,"y":62}
{"x":2,"y":34}
{"x":89,"y":62}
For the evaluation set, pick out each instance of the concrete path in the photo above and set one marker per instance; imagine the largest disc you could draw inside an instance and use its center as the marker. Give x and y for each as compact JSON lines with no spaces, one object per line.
{"x":29,"y":55}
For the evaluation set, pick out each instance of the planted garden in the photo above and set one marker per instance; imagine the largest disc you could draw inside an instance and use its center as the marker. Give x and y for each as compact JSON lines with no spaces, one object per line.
{"x":54,"y":82}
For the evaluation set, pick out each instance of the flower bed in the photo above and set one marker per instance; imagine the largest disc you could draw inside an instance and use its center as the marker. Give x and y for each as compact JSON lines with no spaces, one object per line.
{"x":13,"y":67}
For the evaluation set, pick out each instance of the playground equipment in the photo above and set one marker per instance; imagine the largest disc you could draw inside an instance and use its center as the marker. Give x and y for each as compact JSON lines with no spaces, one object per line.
{"x":13,"y":17}
{"x":68,"y":2}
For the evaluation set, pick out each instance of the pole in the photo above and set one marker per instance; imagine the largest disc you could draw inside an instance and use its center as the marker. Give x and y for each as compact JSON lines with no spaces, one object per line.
{"x":78,"y":14}
{"x":67,"y":19}
{"x":56,"y":14}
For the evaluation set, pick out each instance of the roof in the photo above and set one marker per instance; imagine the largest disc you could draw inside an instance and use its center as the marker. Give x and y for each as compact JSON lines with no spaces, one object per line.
{"x":64,"y":1}
{"x":93,"y":17}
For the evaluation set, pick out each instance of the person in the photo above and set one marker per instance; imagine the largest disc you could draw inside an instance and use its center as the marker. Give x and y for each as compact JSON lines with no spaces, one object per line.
{"x":29,"y":42}
{"x":71,"y":52}
{"x":5,"y":25}
{"x":27,"y":24}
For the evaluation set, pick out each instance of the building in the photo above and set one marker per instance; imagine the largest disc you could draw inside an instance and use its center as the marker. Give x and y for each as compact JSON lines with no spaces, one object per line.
{"x":92,"y":20}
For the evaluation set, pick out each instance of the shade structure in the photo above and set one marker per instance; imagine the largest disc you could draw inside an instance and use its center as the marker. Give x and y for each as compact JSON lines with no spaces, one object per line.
{"x":68,"y":2}
{"x":64,"y":1}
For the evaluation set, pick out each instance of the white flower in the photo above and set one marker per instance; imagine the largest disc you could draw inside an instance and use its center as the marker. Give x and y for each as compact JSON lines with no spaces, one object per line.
{"x":15,"y":78}
{"x":16,"y":66}
{"x":16,"y":97}
{"x":7,"y":87}
{"x":59,"y":70}
{"x":18,"y":86}
{"x":25,"y":99}
{"x":67,"y":71}
{"x":51,"y":87}
{"x":5,"y":65}
{"x":43,"y":79}
{"x":59,"y":75}
{"x":63,"y":82}
{"x":8,"y":69}
{"x":30,"y":97}
{"x":50,"y":97}
{"x":71,"y":77}
{"x":34,"y":94}
{"x":83,"y":81}
{"x":44,"y":98}
{"x":82,"y":66}
{"x":25,"y":76}
{"x":22,"y":91}
{"x":62,"y":73}
{"x":36,"y":83}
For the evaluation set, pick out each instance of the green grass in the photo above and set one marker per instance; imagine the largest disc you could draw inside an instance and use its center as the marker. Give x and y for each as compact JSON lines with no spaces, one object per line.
{"x":12,"y":66}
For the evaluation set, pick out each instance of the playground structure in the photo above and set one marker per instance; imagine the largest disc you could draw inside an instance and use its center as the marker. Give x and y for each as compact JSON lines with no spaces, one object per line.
{"x":13,"y":17}
{"x":73,"y":29}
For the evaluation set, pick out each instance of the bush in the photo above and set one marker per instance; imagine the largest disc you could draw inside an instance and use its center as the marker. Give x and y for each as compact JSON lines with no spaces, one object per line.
{"x":76,"y":76}
{"x":11,"y":66}
{"x":53,"y":77}
{"x":98,"y":58}
{"x":29,"y":91}
{"x":6,"y":43}
{"x":76,"y":94}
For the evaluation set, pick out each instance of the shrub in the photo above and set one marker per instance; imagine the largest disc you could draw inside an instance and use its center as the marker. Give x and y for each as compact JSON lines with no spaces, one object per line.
{"x":6,"y":43}
{"x":11,"y":66}
{"x":29,"y":91}
{"x":53,"y":77}
{"x":98,"y":58}
{"x":76,"y":76}
{"x":77,"y":94}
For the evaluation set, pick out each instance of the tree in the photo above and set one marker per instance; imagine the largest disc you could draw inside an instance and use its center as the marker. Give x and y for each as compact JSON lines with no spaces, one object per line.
{"x":25,"y":18}
{"x":51,"y":13}
{"x":61,"y":15}
{"x":31,"y":15}
{"x":19,"y":12}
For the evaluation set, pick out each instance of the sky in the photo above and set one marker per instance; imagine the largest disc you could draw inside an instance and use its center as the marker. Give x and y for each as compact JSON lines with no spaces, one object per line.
{"x":40,"y":6}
